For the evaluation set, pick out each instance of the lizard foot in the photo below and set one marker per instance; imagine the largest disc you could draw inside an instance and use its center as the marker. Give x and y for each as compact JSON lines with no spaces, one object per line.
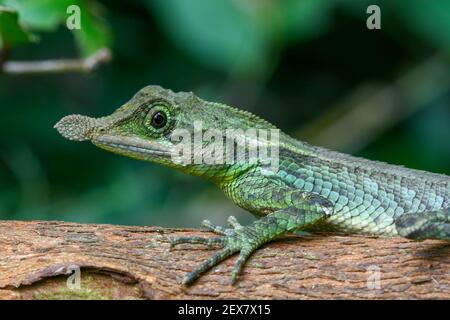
{"x":246,"y":239}
{"x":236,"y":239}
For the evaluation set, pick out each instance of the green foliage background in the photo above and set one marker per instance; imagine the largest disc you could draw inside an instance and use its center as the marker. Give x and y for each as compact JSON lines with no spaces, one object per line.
{"x":288,"y":61}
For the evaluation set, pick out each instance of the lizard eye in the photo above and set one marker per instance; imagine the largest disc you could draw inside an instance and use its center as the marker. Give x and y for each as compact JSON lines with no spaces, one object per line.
{"x":159,"y":120}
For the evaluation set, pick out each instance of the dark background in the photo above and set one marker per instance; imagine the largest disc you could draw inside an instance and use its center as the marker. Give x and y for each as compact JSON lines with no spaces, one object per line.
{"x":311,"y":67}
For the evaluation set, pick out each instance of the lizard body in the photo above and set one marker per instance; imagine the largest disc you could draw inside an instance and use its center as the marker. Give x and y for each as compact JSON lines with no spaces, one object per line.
{"x":312,"y":188}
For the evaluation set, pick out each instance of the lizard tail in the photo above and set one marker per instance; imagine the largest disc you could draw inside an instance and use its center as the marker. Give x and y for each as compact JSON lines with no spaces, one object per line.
{"x":425,"y":225}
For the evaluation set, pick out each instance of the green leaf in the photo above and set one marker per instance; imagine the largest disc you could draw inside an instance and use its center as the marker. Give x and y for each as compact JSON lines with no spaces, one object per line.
{"x":242,"y":37}
{"x":11,"y":32}
{"x":41,"y":15}
{"x":225,"y":35}
{"x":305,"y":19}
{"x":94,"y":33}
{"x":428,"y":19}
{"x":47,"y":15}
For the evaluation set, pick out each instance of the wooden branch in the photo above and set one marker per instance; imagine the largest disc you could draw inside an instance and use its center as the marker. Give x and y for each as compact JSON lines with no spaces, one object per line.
{"x":120,"y":262}
{"x":86,"y":65}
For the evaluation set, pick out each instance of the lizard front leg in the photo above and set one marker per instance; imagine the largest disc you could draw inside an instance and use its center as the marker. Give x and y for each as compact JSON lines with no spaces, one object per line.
{"x":247,"y":239}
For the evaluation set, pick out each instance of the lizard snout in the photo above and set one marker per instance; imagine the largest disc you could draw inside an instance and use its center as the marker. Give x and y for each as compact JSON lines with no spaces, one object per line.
{"x":76,"y":127}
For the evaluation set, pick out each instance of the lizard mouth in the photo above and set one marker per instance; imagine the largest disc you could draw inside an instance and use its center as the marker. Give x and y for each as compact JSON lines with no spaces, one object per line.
{"x":82,"y":128}
{"x":131,"y":146}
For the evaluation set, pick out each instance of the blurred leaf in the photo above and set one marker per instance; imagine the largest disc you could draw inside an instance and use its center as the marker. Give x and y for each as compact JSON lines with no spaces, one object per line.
{"x":241,"y":35}
{"x":222,"y":34}
{"x":41,"y":15}
{"x":307,"y":18}
{"x":429,"y":19}
{"x":359,"y":8}
{"x":94,"y":33}
{"x":47,"y":15}
{"x":11,"y":32}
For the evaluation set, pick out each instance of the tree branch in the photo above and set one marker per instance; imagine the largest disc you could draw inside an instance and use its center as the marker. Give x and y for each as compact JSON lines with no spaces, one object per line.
{"x":135,"y":262}
{"x":57,"y":66}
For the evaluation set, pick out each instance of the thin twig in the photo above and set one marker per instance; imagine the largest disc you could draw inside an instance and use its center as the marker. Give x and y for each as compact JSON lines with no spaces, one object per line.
{"x":57,"y":66}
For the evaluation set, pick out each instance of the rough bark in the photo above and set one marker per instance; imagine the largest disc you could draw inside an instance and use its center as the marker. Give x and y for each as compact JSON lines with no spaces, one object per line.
{"x":122,"y":262}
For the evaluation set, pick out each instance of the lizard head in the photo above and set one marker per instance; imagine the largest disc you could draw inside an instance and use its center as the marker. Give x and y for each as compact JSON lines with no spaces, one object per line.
{"x":152,"y":124}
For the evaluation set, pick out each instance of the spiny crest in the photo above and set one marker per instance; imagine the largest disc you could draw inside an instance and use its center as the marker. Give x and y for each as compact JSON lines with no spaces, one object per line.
{"x":189,"y":98}
{"x":253,"y":117}
{"x":247,"y":115}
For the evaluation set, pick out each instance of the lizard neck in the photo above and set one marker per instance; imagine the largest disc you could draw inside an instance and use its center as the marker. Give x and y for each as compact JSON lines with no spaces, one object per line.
{"x":218,"y":174}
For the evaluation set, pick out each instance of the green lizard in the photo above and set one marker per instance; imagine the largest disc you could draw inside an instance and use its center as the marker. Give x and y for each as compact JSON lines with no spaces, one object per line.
{"x":311,"y":189}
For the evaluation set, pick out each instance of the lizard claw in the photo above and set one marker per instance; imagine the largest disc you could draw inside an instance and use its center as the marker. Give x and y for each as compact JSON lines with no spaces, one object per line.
{"x":234,"y":240}
{"x":234,"y":223}
{"x":214,"y":228}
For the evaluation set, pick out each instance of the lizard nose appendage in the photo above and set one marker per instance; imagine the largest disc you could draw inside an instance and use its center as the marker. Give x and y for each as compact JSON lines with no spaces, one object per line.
{"x":76,"y":127}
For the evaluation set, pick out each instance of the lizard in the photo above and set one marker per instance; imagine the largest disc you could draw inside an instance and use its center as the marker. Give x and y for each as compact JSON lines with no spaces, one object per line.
{"x":312,"y":188}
